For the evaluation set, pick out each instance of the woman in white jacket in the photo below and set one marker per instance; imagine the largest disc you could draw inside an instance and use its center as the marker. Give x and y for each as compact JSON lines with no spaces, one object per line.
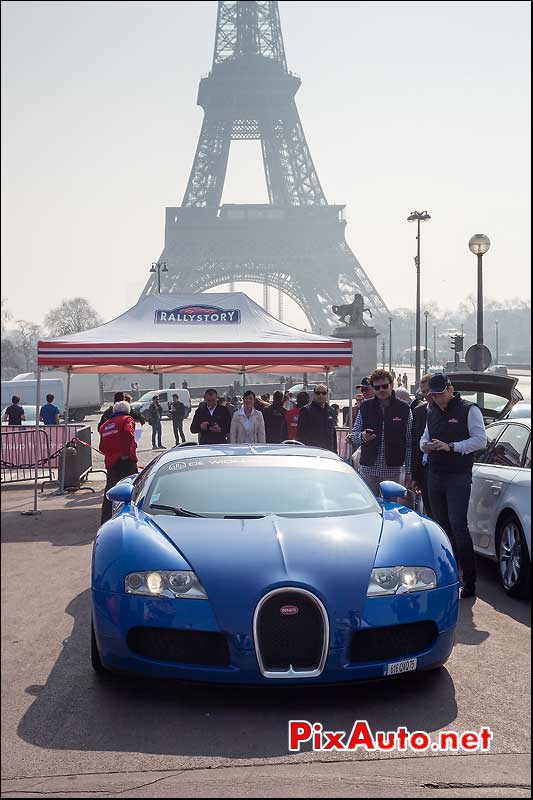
{"x":247,"y":424}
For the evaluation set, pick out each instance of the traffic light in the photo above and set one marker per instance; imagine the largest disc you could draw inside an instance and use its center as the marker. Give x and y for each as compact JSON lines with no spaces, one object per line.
{"x":457,"y":343}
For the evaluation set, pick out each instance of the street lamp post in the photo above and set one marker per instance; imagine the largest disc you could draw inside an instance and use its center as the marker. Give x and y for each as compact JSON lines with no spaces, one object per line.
{"x":390,"y":344}
{"x":479,"y":245}
{"x":435,"y":360}
{"x":497,"y":342}
{"x":418,"y":217}
{"x":426,"y":314}
{"x":410,"y":348}
{"x":383,"y":352}
{"x":159,"y":267}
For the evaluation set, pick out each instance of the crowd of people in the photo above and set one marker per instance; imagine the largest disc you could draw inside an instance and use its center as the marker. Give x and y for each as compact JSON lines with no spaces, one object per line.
{"x":427,"y":444}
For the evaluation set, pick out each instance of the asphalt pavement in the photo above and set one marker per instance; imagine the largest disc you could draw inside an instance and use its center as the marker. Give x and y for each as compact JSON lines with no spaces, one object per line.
{"x":67,"y":733}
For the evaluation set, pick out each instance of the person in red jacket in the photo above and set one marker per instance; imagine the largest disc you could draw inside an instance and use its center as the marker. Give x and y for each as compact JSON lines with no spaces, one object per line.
{"x":291,"y":416}
{"x":118,"y":445}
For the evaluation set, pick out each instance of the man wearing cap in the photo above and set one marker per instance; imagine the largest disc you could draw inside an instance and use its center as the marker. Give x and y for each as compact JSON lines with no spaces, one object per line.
{"x":454,"y":432}
{"x":419,"y":466}
{"x":364,"y":389}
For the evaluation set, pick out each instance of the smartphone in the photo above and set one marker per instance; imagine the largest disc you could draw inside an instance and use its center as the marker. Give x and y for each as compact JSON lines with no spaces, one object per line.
{"x":368,"y":430}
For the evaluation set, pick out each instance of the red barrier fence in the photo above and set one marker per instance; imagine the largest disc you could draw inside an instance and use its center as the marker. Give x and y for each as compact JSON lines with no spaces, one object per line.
{"x":18,"y":454}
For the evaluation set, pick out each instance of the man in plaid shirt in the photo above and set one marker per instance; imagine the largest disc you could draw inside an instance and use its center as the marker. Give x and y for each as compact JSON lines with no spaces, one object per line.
{"x":383,"y":432}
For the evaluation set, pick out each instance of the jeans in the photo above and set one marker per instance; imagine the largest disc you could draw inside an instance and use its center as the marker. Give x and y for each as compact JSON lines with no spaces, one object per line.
{"x":120,"y":470}
{"x":177,"y":425}
{"x":449,"y":495}
{"x":156,"y":434}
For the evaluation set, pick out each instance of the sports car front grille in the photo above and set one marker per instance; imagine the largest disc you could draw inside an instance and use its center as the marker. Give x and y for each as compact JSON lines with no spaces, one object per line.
{"x":294,"y":640}
{"x":392,"y":641}
{"x":180,"y":647}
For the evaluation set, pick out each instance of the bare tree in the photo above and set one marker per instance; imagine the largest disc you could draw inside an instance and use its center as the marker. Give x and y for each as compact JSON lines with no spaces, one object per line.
{"x":72,"y":316}
{"x":25,"y":340}
{"x":6,"y":316}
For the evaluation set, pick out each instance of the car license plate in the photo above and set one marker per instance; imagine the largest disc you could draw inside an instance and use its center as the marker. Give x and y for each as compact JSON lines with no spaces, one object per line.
{"x":401,"y":666}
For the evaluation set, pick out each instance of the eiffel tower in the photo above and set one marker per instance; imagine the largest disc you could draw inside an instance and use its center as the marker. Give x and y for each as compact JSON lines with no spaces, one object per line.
{"x":296,"y":242}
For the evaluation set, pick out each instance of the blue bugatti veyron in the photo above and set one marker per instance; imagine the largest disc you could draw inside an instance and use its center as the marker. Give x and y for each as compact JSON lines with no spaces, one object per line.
{"x":268,"y":564}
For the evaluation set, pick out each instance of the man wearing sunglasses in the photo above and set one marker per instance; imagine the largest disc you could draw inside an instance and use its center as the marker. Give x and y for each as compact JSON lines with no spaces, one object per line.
{"x":316,"y":422}
{"x":383,"y":432}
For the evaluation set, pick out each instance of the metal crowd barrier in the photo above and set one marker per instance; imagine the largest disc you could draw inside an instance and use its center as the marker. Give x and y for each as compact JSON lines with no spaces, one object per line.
{"x":344,"y":447}
{"x":18,"y":455}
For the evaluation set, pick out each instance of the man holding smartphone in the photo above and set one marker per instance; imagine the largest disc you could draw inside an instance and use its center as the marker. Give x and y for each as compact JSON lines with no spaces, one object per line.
{"x":383,"y":432}
{"x":454,"y":432}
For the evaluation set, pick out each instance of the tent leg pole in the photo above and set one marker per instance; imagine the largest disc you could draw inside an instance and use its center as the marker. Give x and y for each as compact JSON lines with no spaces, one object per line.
{"x":350,"y":397}
{"x":327,"y":382}
{"x":63,"y":463}
{"x":36,"y":445}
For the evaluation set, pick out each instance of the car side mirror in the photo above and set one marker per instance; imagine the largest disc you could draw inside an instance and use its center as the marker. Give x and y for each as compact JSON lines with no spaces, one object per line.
{"x":121,"y":493}
{"x":391,"y":489}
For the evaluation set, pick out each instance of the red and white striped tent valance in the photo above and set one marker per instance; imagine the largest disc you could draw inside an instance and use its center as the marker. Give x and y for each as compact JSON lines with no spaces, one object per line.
{"x":195,"y":333}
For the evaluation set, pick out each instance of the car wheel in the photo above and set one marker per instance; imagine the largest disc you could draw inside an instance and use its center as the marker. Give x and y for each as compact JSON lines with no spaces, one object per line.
{"x":513,"y":558}
{"x":95,"y":654}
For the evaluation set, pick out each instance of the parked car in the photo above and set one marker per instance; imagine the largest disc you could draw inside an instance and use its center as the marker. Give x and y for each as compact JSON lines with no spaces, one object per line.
{"x":520,"y":411}
{"x":496,"y":394}
{"x":165,"y":398}
{"x":498,"y":369}
{"x":268,"y":565}
{"x":299,"y":387}
{"x":499,"y":514}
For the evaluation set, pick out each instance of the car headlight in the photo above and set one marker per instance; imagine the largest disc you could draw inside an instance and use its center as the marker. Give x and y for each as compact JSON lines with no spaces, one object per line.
{"x":399,"y":580}
{"x":165,"y":583}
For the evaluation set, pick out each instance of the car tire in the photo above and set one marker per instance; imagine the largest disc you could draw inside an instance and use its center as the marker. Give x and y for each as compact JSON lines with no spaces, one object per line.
{"x":96,"y":661}
{"x":513,"y":557}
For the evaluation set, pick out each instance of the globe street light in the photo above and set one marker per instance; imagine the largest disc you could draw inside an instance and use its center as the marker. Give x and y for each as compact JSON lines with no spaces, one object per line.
{"x":159,"y":267}
{"x":479,"y":245}
{"x":418,"y":217}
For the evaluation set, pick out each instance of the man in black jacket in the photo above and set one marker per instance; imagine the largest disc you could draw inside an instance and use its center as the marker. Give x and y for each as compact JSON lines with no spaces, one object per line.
{"x":177,"y":413}
{"x":118,"y":398}
{"x":419,"y":469}
{"x":275,"y":423}
{"x":316,"y":422}
{"x":211,"y":421}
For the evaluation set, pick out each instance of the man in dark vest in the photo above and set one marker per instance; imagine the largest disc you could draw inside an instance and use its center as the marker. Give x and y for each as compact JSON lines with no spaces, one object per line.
{"x":383,"y":432}
{"x":454,"y":432}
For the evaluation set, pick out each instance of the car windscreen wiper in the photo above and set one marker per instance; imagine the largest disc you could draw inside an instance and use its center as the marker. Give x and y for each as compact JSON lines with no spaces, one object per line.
{"x":179,"y":512}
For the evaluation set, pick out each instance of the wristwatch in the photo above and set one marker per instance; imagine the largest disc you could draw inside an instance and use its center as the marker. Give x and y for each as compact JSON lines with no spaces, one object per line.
{"x":451,"y":446}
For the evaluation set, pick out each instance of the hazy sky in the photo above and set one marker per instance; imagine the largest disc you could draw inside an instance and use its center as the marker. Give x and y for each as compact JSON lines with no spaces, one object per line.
{"x":405,"y":106}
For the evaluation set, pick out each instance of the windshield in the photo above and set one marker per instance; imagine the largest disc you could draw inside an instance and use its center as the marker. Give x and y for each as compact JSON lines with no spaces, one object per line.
{"x":257,"y":485}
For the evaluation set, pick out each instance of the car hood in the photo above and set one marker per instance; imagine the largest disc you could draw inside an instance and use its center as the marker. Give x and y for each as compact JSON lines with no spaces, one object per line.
{"x":503,"y":386}
{"x":239,"y":560}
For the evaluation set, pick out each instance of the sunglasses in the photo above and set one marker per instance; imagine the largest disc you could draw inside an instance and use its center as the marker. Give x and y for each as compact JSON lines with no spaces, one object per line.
{"x":320,"y":392}
{"x":365,"y":388}
{"x":379,"y":387}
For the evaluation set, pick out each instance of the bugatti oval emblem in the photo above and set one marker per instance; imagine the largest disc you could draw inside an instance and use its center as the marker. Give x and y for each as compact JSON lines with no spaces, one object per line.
{"x":289,"y":611}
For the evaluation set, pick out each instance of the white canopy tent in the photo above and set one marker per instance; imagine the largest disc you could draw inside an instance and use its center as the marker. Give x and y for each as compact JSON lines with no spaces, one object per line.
{"x":190,"y":333}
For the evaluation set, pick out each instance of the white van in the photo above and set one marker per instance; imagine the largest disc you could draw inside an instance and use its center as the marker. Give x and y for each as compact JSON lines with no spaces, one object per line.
{"x":165,"y":398}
